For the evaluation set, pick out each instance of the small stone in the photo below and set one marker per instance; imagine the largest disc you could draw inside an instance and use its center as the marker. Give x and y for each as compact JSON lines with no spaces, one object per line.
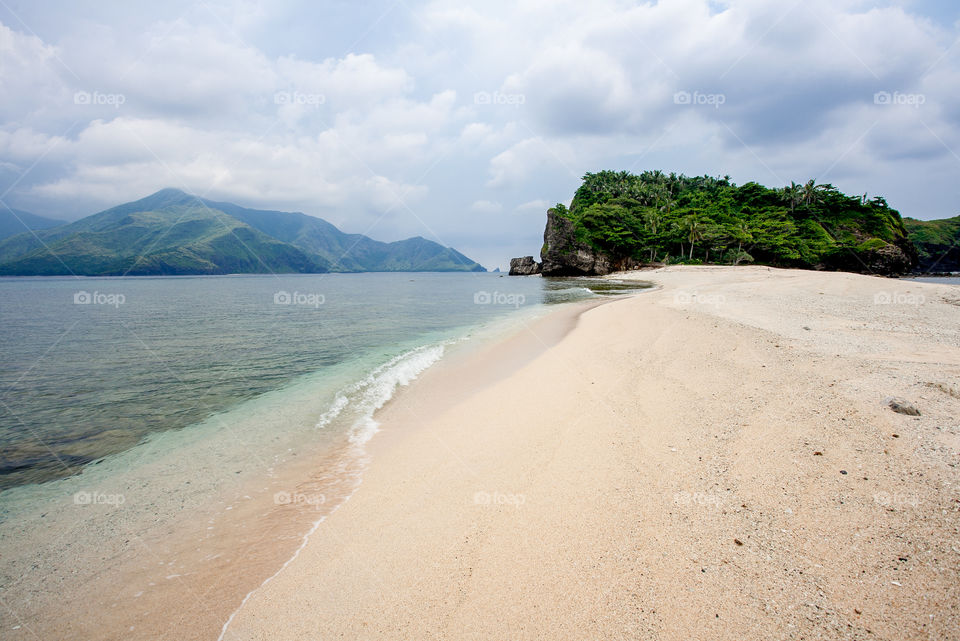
{"x":896,"y":436}
{"x":843,"y":471}
{"x":901,"y":406}
{"x":738,"y":541}
{"x":818,"y":453}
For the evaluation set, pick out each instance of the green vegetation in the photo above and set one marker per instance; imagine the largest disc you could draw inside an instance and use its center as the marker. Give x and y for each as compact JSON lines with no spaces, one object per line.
{"x":675,"y":218}
{"x":937,"y":242}
{"x":15,"y":221}
{"x":171,"y":232}
{"x":188,"y":239}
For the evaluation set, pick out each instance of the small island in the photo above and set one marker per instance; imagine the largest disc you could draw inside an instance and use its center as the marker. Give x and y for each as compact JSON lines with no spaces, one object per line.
{"x":621,"y":221}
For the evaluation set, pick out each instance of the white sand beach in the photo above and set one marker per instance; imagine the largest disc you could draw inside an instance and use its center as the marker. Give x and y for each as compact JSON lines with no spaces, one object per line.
{"x":714,"y":459}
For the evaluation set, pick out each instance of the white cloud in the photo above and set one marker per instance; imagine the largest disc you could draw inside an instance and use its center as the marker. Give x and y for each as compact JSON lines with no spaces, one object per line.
{"x":523,"y":160}
{"x":538,"y":205}
{"x":486,"y":207}
{"x":398,"y":127}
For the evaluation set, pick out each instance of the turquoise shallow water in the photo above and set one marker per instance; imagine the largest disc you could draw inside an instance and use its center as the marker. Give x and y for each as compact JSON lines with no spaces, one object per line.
{"x":92,"y":367}
{"x":155,"y":431}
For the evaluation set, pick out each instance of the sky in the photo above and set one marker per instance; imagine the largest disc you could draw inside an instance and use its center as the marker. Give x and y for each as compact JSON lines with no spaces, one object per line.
{"x":463,"y":122}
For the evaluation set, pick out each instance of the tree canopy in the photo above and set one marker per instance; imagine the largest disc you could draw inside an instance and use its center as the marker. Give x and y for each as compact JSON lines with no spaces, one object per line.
{"x":654,"y":216}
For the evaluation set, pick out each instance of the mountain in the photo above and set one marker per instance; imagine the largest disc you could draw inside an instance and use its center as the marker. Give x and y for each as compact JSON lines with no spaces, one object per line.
{"x":15,"y":221}
{"x":351,"y":252}
{"x":171,"y":232}
{"x":166,"y":233}
{"x":619,"y":220}
{"x":937,"y":243}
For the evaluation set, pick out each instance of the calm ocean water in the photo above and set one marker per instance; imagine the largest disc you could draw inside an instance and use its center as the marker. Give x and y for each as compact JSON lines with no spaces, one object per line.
{"x":92,"y":367}
{"x":939,"y":280}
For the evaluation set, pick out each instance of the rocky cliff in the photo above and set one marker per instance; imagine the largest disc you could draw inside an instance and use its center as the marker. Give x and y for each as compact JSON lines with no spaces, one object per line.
{"x":564,"y":255}
{"x":899,"y":257}
{"x":937,"y":243}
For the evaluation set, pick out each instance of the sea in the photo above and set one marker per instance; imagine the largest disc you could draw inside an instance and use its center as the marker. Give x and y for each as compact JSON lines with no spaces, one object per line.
{"x":939,"y":280}
{"x":147,"y":423}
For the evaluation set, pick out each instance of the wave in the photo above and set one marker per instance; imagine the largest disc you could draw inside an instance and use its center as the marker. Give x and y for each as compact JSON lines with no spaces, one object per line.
{"x":359,"y":402}
{"x":580,"y":290}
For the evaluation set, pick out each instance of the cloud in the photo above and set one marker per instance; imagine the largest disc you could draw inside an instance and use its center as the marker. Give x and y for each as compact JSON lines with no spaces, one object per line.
{"x":519,"y":163}
{"x":538,"y":206}
{"x":447,"y":108}
{"x":486,"y":207}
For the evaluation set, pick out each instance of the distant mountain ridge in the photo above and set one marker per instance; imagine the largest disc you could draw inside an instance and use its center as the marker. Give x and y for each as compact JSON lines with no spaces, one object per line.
{"x":172,"y":232}
{"x":16,"y":221}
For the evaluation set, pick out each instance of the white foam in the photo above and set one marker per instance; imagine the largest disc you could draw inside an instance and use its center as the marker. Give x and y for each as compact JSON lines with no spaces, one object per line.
{"x":358,"y":402}
{"x":339,"y":403}
{"x":380,"y":386}
{"x":362,"y":399}
{"x":586,"y":290}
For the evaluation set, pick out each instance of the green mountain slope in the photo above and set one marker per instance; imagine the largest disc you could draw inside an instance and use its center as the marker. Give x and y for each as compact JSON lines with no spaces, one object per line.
{"x":171,"y":232}
{"x":350,"y":252}
{"x":174,"y":239}
{"x":16,"y":221}
{"x":937,"y":243}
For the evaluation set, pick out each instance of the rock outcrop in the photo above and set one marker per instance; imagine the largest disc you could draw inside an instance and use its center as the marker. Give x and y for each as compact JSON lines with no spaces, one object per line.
{"x":937,"y":243}
{"x":892,"y":259}
{"x":524,"y":266}
{"x":564,"y":255}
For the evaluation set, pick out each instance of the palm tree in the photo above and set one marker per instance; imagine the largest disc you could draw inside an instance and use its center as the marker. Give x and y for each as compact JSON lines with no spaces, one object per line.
{"x":810,"y":193}
{"x":742,"y":231}
{"x":793,"y":195}
{"x":694,"y":230}
{"x":653,"y":218}
{"x":668,"y":202}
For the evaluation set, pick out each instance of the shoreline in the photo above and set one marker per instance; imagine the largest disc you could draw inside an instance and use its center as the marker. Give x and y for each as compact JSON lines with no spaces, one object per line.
{"x":184,"y":554}
{"x":704,"y":459}
{"x":551,"y":326}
